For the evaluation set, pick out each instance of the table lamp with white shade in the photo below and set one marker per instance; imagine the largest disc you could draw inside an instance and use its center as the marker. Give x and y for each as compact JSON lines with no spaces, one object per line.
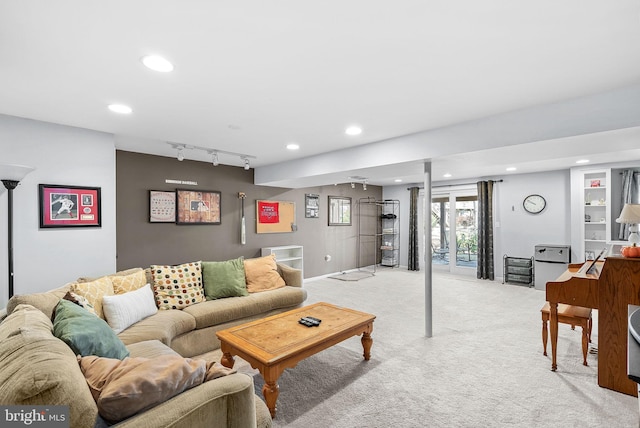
{"x":631,"y":215}
{"x":11,"y":175}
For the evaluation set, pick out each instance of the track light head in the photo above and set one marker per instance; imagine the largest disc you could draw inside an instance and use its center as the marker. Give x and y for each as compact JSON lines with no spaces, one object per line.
{"x":180,"y":154}
{"x":353,"y":185}
{"x":215,"y":159}
{"x":364,"y":186}
{"x":246,"y":164}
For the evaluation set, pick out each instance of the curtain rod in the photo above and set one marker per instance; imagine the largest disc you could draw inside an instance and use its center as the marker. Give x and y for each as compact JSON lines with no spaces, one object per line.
{"x":457,"y":184}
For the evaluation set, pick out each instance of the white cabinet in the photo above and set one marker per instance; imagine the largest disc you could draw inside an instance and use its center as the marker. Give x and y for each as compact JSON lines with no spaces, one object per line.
{"x":290,"y":255}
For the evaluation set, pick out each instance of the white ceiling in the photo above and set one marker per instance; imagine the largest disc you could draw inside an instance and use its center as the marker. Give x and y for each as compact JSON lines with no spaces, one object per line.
{"x":252,"y":76}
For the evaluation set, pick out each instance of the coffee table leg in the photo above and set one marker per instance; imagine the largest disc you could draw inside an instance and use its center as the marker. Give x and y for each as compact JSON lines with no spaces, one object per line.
{"x":227,"y":360}
{"x":270,"y":391}
{"x":367,"y":341}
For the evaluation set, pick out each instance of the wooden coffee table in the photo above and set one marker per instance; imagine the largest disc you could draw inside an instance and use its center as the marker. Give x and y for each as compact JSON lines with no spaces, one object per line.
{"x":278,"y":342}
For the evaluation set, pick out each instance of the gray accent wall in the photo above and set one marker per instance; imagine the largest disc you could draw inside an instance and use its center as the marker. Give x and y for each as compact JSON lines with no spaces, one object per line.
{"x":141,"y":243}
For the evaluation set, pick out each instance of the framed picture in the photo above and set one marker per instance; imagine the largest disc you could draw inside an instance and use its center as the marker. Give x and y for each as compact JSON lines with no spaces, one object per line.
{"x":162,"y":206}
{"x":595,"y":183}
{"x":311,"y":206}
{"x":339,"y":211}
{"x":198,"y":206}
{"x":69,"y":206}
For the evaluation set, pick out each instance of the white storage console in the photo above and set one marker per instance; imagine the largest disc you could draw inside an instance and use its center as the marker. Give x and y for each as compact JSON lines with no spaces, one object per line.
{"x":290,"y":255}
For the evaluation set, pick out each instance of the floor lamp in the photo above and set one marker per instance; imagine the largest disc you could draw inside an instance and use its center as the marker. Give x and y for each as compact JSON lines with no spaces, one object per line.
{"x":11,"y":175}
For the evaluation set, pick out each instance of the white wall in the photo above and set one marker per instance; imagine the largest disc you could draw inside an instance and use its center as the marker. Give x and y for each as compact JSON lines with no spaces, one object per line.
{"x":516,"y":232}
{"x":48,"y":258}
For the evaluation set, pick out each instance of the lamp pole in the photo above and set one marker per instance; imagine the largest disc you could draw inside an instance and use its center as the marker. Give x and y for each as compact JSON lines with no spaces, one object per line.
{"x":10,"y":175}
{"x":10,"y":185}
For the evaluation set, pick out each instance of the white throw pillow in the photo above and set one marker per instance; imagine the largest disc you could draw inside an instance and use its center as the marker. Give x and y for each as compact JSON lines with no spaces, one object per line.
{"x":123,"y":310}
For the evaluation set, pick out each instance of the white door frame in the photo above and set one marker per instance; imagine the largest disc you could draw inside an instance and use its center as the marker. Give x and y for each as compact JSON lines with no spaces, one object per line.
{"x":453,"y":192}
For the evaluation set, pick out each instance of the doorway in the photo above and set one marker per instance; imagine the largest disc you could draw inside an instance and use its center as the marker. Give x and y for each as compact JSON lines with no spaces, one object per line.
{"x":454,"y":232}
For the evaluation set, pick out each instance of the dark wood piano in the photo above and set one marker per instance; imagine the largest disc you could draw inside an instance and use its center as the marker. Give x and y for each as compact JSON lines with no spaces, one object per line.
{"x":609,"y":288}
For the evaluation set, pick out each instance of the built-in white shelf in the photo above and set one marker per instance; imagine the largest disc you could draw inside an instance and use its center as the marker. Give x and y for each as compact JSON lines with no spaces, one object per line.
{"x":290,"y":255}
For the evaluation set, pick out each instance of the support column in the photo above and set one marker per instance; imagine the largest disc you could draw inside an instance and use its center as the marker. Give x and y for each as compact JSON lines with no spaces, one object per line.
{"x":428,"y":257}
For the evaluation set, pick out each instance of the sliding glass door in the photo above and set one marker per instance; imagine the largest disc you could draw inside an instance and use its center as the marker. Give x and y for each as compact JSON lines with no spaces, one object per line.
{"x":454,"y":230}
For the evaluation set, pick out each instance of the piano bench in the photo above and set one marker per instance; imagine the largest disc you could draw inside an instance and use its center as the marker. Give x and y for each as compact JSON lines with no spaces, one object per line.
{"x":572,"y":315}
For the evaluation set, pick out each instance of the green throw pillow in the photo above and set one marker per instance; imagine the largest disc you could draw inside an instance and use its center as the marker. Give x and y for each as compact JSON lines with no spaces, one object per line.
{"x":85,"y":333}
{"x":224,"y":279}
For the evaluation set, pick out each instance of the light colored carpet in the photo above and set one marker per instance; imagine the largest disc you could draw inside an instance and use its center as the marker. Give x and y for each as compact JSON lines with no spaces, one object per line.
{"x":352,"y":276}
{"x":483,"y":367}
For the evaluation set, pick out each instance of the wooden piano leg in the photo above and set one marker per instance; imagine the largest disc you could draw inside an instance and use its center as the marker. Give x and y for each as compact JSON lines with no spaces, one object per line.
{"x":553,"y":327}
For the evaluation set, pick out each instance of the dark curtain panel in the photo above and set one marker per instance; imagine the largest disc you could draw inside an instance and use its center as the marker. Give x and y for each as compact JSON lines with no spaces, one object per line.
{"x":414,"y":250}
{"x":485,"y":230}
{"x":630,"y":190}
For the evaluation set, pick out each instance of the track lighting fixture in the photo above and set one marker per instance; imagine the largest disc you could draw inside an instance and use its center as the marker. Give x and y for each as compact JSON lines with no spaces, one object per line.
{"x":358,"y":179}
{"x":215,"y":154}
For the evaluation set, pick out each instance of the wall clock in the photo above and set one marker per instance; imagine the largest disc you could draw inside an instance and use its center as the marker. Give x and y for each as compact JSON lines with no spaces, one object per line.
{"x":534,"y":204}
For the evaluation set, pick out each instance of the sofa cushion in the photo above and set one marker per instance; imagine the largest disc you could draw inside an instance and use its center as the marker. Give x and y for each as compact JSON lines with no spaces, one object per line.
{"x":124,"y":310}
{"x":216,"y":312}
{"x":162,"y":326}
{"x":45,"y":302}
{"x":94,"y":291}
{"x":24,"y":317}
{"x":38,"y":369}
{"x":262,"y":274}
{"x":177,"y":287}
{"x":224,"y":279}
{"x":149,"y":349}
{"x":129,"y":282}
{"x":124,"y":388}
{"x":85,"y":333}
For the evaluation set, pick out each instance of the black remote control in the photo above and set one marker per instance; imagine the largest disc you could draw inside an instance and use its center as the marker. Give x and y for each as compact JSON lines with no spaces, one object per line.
{"x":309,"y":322}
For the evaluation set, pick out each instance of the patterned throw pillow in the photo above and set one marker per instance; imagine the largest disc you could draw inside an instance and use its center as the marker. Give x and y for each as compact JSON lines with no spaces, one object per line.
{"x":176,"y":287}
{"x":94,"y":291}
{"x":126,"y":283}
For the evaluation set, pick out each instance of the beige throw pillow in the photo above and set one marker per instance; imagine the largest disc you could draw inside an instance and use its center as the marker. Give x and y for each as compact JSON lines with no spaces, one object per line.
{"x":126,"y":283}
{"x":94,"y":291}
{"x":124,"y":388}
{"x":262,"y":274}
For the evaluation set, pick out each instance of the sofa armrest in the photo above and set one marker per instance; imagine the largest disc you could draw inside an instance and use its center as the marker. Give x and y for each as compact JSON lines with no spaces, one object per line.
{"x":292,"y":277}
{"x":228,"y":401}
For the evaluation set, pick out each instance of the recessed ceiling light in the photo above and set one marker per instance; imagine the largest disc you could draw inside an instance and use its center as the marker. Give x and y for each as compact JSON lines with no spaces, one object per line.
{"x":353,"y":130}
{"x":447,"y":175}
{"x":398,"y":180}
{"x":293,"y":146}
{"x":583,"y":161}
{"x":157,"y":63}
{"x":120,"y":108}
{"x":512,"y":168}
